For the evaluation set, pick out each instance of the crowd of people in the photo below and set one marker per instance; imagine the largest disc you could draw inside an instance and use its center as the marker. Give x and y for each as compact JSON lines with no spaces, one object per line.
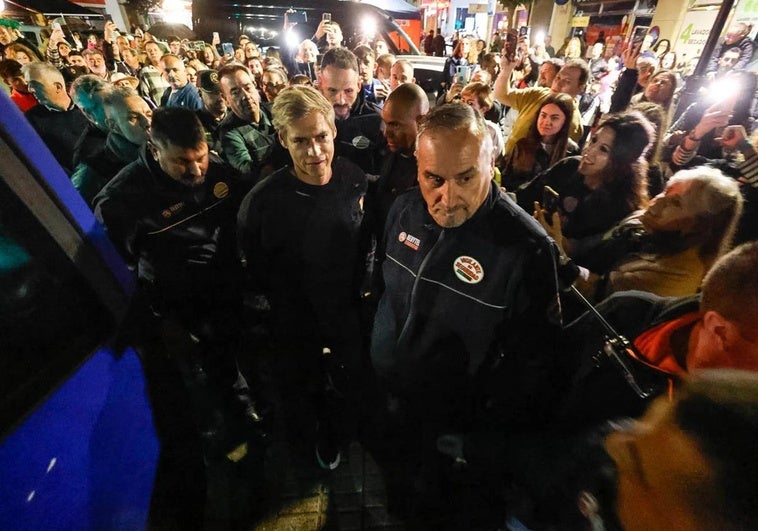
{"x":411,"y":263}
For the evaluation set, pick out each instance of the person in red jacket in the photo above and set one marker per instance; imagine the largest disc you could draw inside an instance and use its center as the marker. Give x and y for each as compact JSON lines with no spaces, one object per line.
{"x":10,"y":71}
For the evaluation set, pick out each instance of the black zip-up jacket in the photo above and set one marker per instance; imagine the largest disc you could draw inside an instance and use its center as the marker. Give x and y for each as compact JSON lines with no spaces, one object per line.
{"x":305,"y":249}
{"x":181,"y":239}
{"x":463,"y":335}
{"x":599,"y":390}
{"x":359,"y":136}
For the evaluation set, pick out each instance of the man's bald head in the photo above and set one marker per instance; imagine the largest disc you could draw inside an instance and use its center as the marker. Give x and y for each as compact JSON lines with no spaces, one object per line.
{"x":409,"y":96}
{"x":404,"y":108}
{"x":400,"y":73}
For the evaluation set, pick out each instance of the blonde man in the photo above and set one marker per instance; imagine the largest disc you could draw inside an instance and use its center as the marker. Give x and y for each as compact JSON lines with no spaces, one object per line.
{"x":301,"y":231}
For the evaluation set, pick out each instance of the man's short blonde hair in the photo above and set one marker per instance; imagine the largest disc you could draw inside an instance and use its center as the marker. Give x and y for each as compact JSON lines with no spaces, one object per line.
{"x":298,"y":101}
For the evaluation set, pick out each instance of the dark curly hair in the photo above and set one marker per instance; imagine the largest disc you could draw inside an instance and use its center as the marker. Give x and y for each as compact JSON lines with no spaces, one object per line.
{"x":626,"y":175}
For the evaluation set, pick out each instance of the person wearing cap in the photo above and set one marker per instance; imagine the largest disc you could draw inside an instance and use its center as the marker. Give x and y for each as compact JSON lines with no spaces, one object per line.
{"x":214,"y":107}
{"x":124,"y":80}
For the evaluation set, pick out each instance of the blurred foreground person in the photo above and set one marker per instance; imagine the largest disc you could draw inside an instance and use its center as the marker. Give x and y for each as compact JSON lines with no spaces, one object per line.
{"x":563,"y":471}
{"x":670,"y":337}
{"x":690,"y":463}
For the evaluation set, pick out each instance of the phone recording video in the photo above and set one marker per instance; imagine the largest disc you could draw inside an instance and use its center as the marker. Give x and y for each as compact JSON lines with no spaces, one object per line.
{"x":299,"y":17}
{"x":511,"y":44}
{"x":638,"y":36}
{"x":550,"y":200}
{"x":462,"y":74}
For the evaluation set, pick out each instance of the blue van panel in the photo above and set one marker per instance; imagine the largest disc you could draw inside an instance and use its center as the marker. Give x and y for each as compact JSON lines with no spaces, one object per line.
{"x":86,"y":458}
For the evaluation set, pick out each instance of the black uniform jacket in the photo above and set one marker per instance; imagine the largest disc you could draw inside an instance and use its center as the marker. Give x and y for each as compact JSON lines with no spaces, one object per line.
{"x":463,"y":330}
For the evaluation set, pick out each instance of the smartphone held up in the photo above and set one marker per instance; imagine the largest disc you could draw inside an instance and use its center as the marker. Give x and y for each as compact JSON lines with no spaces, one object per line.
{"x":511,"y":45}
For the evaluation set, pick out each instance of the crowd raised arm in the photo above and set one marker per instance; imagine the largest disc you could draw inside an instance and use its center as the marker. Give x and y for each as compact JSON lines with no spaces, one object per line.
{"x":407,"y":256}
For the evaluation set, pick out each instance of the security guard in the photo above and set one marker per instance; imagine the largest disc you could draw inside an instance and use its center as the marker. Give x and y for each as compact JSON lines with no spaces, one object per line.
{"x":463,"y":337}
{"x":359,"y":136}
{"x":171,"y":214}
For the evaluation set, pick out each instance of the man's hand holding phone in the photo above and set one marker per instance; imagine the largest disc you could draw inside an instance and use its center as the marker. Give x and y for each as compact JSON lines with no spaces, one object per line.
{"x":110,"y":32}
{"x":323,"y":26}
{"x":629,"y":56}
{"x":57,"y":34}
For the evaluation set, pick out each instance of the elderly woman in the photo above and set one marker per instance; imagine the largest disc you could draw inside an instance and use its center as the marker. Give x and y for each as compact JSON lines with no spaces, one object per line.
{"x":668,"y":247}
{"x":305,"y":59}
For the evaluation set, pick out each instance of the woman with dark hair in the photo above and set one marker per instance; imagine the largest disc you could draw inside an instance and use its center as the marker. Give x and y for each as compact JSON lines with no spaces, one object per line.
{"x":600,"y":188}
{"x":546,"y":143}
{"x":452,"y":63}
{"x":210,"y":56}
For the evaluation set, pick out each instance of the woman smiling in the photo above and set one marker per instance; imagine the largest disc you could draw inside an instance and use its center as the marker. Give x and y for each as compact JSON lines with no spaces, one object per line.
{"x":600,"y":188}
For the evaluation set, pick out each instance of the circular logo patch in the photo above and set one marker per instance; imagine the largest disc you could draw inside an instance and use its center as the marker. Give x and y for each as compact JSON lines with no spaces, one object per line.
{"x":401,"y":237}
{"x":468,"y":269}
{"x":214,"y":78}
{"x":221,"y":190}
{"x":361,"y":142}
{"x":570,"y":203}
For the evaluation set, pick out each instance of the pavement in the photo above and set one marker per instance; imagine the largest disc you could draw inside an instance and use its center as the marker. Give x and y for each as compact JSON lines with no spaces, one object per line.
{"x":304,"y":497}
{"x":294,"y":493}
